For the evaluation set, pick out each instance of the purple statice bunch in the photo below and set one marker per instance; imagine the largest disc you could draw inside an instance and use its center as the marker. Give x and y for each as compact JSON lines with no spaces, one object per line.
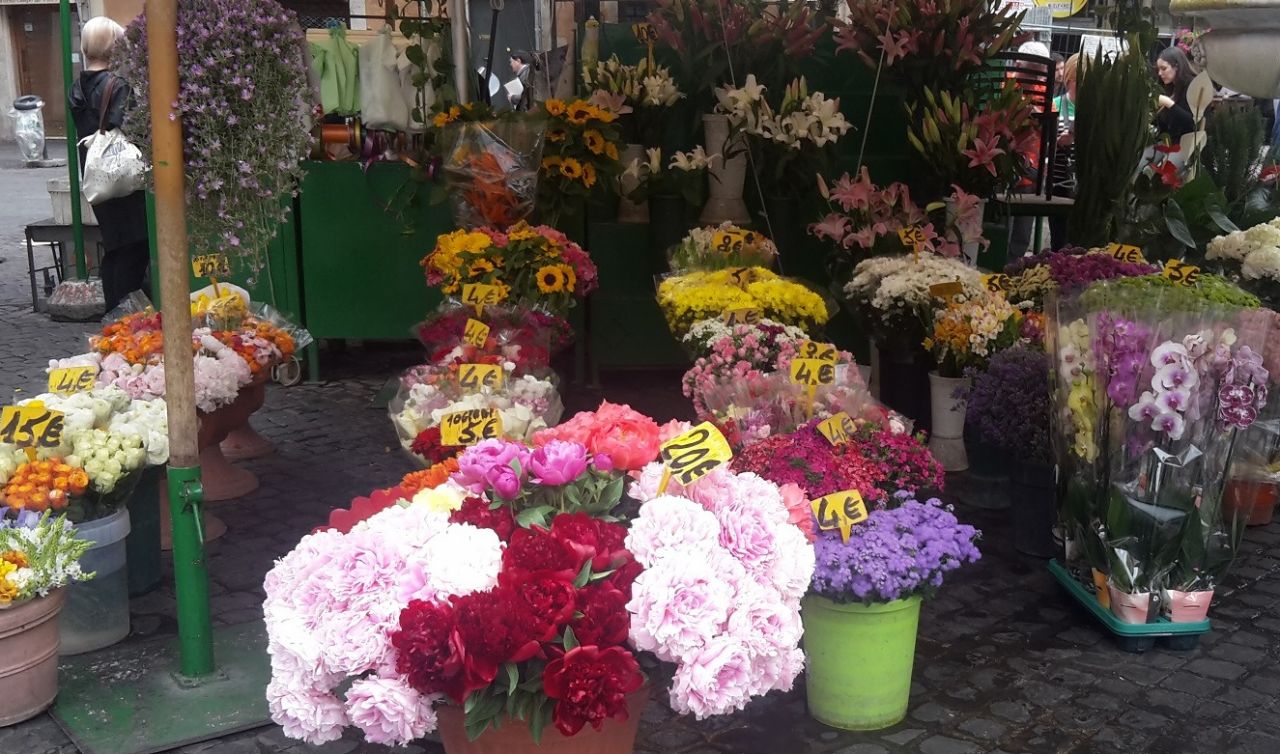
{"x":1009,"y":403}
{"x":1243,"y":389}
{"x":1122,"y":350}
{"x":896,"y":553}
{"x":246,"y":114}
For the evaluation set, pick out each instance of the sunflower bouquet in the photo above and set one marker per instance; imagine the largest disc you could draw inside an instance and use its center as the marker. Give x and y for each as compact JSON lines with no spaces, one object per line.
{"x":696,"y":296}
{"x":530,"y":265}
{"x":581,"y":155}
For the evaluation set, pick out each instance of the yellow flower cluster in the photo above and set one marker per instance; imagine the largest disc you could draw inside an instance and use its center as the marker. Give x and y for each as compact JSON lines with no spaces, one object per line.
{"x":695,"y":296}
{"x":10,"y":562}
{"x":581,"y":152}
{"x":968,"y":333}
{"x":1076,"y":370}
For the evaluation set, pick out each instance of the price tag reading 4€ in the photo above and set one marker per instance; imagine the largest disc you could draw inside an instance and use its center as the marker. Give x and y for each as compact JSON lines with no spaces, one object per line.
{"x":475,"y":333}
{"x":812,"y":372}
{"x":70,"y":380}
{"x":808,"y":349}
{"x":31,"y":426}
{"x":740,"y":317}
{"x":1181,"y":273}
{"x":470,"y":427}
{"x":694,"y":454}
{"x":476,"y":376}
{"x":840,"y":510}
{"x":838,"y":429}
{"x":481,"y":295}
{"x":210,"y":265}
{"x":1125,"y":252}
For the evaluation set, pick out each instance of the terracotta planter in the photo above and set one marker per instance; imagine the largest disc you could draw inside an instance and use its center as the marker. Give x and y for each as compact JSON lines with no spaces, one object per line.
{"x":1130,"y":608}
{"x":614,"y":737}
{"x":244,"y":443}
{"x":221,"y":480}
{"x":29,"y":657}
{"x":1252,"y":500}
{"x":1189,"y":607}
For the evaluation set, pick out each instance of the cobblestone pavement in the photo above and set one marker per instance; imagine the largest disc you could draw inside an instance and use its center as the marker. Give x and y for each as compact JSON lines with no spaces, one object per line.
{"x":1005,"y":661}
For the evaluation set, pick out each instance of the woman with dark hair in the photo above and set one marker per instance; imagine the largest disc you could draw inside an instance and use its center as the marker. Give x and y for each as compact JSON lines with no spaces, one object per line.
{"x":1174,"y":117}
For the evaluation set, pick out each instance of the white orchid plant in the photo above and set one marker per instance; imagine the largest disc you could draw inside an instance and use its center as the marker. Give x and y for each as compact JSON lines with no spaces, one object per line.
{"x":682,"y":175}
{"x":789,"y":142}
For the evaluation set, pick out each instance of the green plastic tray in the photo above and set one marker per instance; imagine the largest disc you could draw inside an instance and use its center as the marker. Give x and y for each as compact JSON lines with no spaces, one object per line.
{"x":1162,"y":627}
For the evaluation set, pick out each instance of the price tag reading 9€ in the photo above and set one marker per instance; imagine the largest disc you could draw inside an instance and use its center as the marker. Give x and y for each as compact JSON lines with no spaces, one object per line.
{"x":68,"y":380}
{"x":476,"y":376}
{"x":1181,"y":273}
{"x":808,"y":349}
{"x":481,"y":295}
{"x":838,"y":429}
{"x":470,"y":427}
{"x":812,"y":372}
{"x":475,"y":333}
{"x":693,"y":455}
{"x":840,"y":510}
{"x":31,"y":426}
{"x":210,"y":265}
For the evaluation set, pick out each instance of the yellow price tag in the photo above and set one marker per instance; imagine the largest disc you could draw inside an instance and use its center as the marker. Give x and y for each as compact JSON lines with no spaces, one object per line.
{"x":210,"y":266}
{"x":476,"y":376}
{"x":693,"y":455}
{"x":839,"y":510}
{"x":1181,"y":273}
{"x":31,"y":426}
{"x":838,"y":429}
{"x":809,"y":349}
{"x":812,"y":372}
{"x":740,"y":317}
{"x":470,"y":427}
{"x":1126,"y":252}
{"x":68,"y":380}
{"x":733,"y":241}
{"x":946,"y":291}
{"x":997,"y":283}
{"x":475,"y":333}
{"x":481,"y":295}
{"x":912,"y":236}
{"x":645,"y":33}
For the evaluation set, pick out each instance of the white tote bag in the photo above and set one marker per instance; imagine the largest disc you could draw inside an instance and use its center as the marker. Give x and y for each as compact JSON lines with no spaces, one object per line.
{"x":382,"y":104}
{"x":113,"y":167}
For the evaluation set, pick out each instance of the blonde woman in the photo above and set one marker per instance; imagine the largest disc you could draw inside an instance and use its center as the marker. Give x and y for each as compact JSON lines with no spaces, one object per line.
{"x":101,"y":97}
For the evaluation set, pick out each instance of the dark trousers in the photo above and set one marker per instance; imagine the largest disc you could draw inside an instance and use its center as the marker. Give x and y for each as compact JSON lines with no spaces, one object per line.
{"x":123,"y":271}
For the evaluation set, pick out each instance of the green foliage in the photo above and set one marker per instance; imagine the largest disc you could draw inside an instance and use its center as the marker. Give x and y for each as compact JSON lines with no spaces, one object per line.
{"x":1234,"y":157}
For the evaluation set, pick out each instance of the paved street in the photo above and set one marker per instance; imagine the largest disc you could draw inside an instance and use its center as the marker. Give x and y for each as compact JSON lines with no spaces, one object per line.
{"x":1005,"y":661}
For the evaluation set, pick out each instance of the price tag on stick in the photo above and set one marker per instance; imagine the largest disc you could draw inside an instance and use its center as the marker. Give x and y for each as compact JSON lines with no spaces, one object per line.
{"x":997,"y":283}
{"x":1181,"y":273}
{"x":693,"y":455}
{"x":809,"y":349}
{"x":68,"y":380}
{"x":475,"y":333}
{"x":840,"y":510}
{"x":31,"y":426}
{"x":913,"y":238}
{"x":470,"y":427}
{"x":476,"y":376}
{"x":740,"y":317}
{"x":838,"y":429}
{"x":210,"y":266}
{"x":813,"y":372}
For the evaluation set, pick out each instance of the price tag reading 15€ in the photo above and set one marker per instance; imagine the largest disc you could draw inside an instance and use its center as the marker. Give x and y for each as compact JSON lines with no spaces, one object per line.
{"x":476,"y":376}
{"x":694,"y":454}
{"x":31,"y":426}
{"x":840,"y":510}
{"x":838,"y":429}
{"x":470,"y":427}
{"x":475,"y":333}
{"x":68,"y":380}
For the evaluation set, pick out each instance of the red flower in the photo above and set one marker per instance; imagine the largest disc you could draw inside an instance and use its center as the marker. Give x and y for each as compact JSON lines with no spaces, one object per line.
{"x":476,"y":511}
{"x":535,"y":552}
{"x":1168,"y":173}
{"x":344,"y":519}
{"x":428,"y":652}
{"x":1168,"y":148}
{"x":492,"y":629}
{"x":602,"y":542}
{"x":427,"y":444}
{"x":625,"y":576}
{"x":546,"y":604}
{"x":590,"y":685}
{"x":604,"y":621}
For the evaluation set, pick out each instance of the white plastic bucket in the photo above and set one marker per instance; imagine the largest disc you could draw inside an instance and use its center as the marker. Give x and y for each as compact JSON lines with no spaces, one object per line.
{"x":97,"y":611}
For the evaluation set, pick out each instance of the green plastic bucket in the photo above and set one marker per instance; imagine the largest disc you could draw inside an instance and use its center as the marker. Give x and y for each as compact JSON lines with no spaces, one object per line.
{"x":858,"y":661}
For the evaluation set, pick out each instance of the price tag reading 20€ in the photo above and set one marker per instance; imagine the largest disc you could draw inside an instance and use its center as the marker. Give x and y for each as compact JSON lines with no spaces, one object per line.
{"x":840,"y":510}
{"x":470,"y":427}
{"x":694,"y":454}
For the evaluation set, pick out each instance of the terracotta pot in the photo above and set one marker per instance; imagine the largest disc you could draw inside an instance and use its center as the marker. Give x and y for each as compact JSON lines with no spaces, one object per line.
{"x":1130,"y":608}
{"x":244,"y":443}
{"x":1189,"y":607}
{"x":29,"y":657}
{"x":614,"y":737}
{"x":1250,"y":499}
{"x":220,"y":479}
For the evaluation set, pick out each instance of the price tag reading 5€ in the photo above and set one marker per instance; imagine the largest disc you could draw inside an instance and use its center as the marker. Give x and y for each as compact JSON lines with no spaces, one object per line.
{"x":694,"y":454}
{"x":470,"y":427}
{"x":476,"y":376}
{"x":840,"y":510}
{"x":68,"y":380}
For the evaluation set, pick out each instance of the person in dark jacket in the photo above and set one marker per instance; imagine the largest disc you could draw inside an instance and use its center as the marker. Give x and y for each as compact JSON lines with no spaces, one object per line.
{"x":123,"y":221}
{"x":1174,"y":118}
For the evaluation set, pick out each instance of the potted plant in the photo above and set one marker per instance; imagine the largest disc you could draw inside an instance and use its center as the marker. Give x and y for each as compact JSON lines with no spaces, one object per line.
{"x":1009,"y":408}
{"x":1209,"y":543}
{"x":39,"y":556}
{"x":669,"y":189}
{"x":863,"y":609}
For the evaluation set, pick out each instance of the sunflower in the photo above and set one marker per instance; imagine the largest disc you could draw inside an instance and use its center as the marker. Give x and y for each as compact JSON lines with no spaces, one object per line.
{"x":555,"y":107}
{"x":557,"y":135}
{"x":550,"y":164}
{"x":551,"y":279}
{"x":603,"y":115}
{"x":579,"y":113}
{"x":588,"y":175}
{"x":443,"y":119}
{"x":571,"y":169}
{"x":594,"y":140}
{"x":480,"y":268}
{"x":611,"y":149}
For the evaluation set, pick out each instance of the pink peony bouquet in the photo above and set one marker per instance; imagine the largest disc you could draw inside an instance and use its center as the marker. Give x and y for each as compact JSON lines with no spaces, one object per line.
{"x":629,"y":438}
{"x":719,"y":598}
{"x":220,"y":372}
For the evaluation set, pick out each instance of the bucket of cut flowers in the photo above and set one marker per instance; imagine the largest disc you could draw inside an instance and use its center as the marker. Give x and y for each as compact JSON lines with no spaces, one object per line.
{"x":863,"y":609}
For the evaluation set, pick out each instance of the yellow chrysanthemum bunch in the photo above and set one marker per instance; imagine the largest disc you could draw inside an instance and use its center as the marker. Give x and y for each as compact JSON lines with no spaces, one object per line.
{"x":693,"y":297}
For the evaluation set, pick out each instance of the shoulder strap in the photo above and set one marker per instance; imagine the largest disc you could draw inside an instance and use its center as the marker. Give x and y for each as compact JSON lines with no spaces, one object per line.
{"x":105,"y":103}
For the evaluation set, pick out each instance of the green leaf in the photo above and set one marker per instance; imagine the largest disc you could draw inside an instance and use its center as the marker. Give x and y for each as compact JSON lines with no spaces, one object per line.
{"x":536,"y":515}
{"x":584,"y":576}
{"x":538,"y":720}
{"x":570,"y":640}
{"x":602,"y":574}
{"x":513,"y":676}
{"x":1176,"y":222}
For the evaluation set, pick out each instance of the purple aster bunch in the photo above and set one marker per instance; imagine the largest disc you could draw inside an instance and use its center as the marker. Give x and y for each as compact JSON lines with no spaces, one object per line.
{"x":1122,"y":348}
{"x":1075,"y":271}
{"x":1009,"y":403}
{"x":896,"y":553}
{"x":246,"y":117}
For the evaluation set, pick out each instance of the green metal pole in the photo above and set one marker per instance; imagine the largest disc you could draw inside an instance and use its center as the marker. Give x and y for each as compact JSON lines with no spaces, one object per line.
{"x":190,"y":572}
{"x":73,"y":151}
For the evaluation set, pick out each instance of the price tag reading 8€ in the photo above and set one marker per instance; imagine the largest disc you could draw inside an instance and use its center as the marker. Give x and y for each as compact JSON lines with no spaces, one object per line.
{"x":1181,"y":273}
{"x":812,"y":372}
{"x":839,"y":510}
{"x":68,"y":380}
{"x":838,"y":429}
{"x":470,"y":427}
{"x":476,"y":376}
{"x":693,"y":455}
{"x":475,"y":333}
{"x":31,"y":426}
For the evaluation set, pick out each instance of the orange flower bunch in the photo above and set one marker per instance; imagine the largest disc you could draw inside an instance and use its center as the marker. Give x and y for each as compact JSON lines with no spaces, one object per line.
{"x":260,"y":343}
{"x":41,"y":485}
{"x":137,"y":337}
{"x":429,"y":479}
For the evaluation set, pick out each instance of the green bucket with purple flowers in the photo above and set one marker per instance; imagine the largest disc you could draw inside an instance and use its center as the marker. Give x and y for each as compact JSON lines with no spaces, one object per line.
{"x":858,"y":660}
